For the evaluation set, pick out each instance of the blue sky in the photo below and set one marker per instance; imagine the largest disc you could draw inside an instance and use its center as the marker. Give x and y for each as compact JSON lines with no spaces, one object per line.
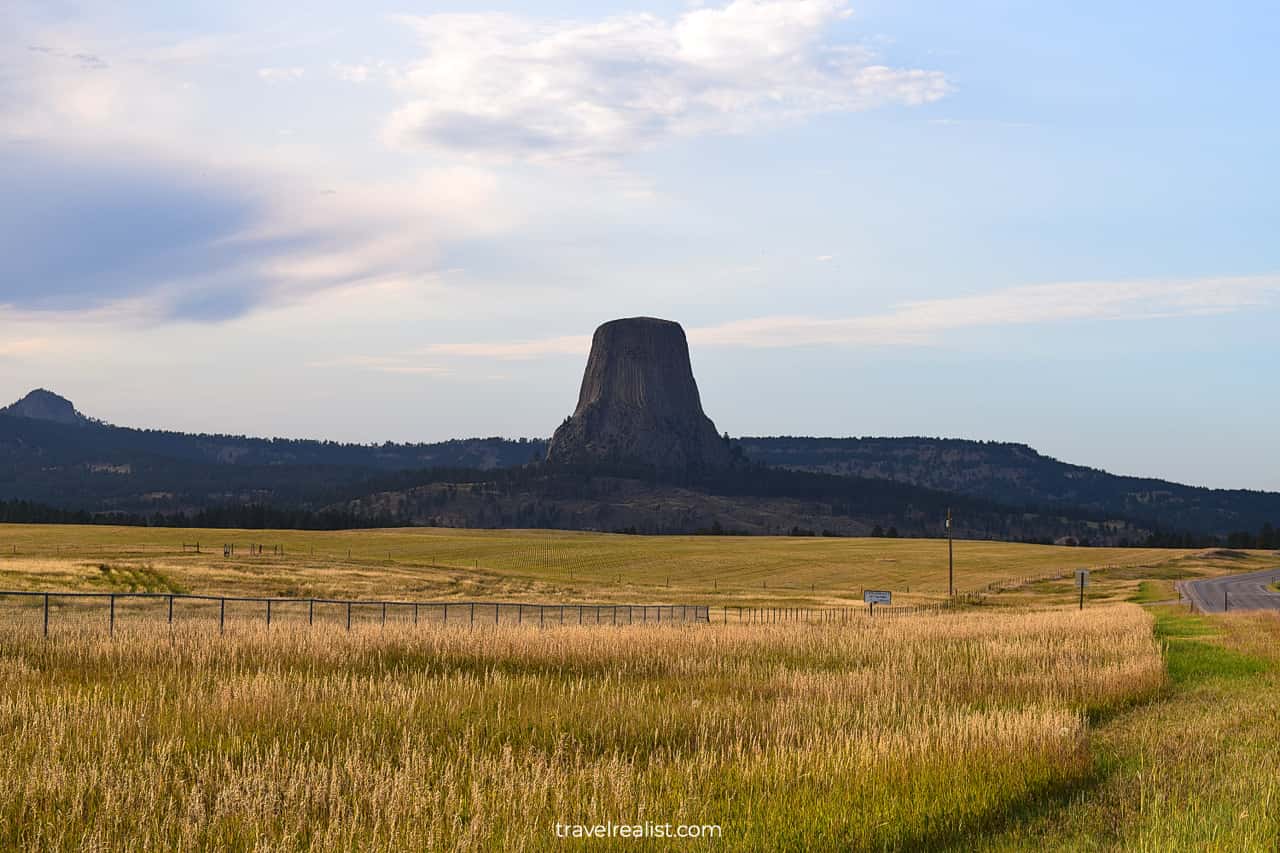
{"x":1042,"y":222}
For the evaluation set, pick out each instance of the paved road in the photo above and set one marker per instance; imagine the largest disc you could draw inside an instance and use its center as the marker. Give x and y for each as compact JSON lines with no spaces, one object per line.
{"x":1241,"y":592}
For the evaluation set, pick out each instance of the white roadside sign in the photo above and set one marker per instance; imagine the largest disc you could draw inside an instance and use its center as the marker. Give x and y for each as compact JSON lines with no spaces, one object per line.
{"x":1082,"y":577}
{"x":877,"y":596}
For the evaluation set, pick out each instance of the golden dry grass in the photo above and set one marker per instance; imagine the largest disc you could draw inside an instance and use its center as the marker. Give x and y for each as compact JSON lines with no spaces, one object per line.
{"x":891,"y":734}
{"x":1195,"y":770}
{"x":530,"y":565}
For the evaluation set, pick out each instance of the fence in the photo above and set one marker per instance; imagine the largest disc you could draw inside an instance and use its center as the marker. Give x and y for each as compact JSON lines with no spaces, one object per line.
{"x":733,"y":615}
{"x":114,"y":607}
{"x":363,"y":611}
{"x":1018,"y":583}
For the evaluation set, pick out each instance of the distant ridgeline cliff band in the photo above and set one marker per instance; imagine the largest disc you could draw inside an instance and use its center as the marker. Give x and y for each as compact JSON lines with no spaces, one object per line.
{"x":637,"y":454}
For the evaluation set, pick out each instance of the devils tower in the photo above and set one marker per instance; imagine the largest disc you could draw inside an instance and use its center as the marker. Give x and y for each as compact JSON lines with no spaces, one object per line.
{"x":639,"y":403}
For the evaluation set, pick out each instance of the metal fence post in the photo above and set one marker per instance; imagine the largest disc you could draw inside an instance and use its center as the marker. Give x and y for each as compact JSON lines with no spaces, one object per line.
{"x":171,"y":610}
{"x":111,"y":629}
{"x":222,"y":614}
{"x":46,"y":614}
{"x":311,"y":611}
{"x":348,"y":615}
{"x":268,"y":613}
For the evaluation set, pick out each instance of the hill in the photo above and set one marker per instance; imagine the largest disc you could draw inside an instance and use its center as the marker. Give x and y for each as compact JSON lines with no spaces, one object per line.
{"x":43,"y":405}
{"x":87,"y":464}
{"x":52,"y":454}
{"x":1016,"y":474}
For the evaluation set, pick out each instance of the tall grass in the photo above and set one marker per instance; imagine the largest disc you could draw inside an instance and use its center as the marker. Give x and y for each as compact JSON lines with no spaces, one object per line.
{"x":887,"y":735}
{"x":1196,"y":770}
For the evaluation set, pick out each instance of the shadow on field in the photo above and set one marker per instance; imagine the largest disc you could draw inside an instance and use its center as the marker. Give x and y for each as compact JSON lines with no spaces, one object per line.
{"x":1035,"y":807}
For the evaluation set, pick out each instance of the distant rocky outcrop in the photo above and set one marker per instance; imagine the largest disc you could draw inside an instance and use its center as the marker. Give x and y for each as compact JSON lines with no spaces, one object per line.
{"x":42,"y":405}
{"x":639,"y":403}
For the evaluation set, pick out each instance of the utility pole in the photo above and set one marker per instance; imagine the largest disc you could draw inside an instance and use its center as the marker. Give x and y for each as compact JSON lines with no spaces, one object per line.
{"x":951,"y":558}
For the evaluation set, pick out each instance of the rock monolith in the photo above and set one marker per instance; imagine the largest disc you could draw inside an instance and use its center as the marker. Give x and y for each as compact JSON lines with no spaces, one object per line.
{"x":639,"y":403}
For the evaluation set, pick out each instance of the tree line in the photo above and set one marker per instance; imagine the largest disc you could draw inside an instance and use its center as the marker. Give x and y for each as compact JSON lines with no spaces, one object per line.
{"x":245,"y":517}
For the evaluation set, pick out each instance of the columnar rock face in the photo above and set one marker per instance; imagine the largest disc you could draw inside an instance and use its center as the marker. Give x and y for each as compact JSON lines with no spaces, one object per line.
{"x":639,"y":403}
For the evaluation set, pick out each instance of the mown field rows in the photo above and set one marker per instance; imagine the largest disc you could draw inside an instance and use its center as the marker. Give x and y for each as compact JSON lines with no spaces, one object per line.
{"x":898,"y":734}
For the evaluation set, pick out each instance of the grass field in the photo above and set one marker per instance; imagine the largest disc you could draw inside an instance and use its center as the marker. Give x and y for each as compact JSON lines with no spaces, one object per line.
{"x":1194,"y":769}
{"x":527,"y":564}
{"x":913,"y":732}
{"x":1015,"y":723}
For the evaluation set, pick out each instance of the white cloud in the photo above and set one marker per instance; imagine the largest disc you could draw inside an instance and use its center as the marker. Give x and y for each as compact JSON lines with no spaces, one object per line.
{"x":748,"y":31}
{"x":221,"y":222}
{"x":925,"y":322}
{"x":281,"y":75}
{"x":917,"y":323}
{"x":351,"y":73}
{"x":508,"y":87}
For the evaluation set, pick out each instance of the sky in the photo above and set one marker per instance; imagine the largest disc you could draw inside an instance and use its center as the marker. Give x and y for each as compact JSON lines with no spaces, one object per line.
{"x":1044,"y":222}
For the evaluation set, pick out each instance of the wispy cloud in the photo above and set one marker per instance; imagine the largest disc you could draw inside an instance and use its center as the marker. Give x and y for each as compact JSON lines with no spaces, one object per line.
{"x":566,"y":345}
{"x":180,"y":224}
{"x":509,"y":87}
{"x":21,"y":347}
{"x":281,"y":75}
{"x":85,"y":61}
{"x":926,"y":322}
{"x":923,"y":322}
{"x":381,"y":364}
{"x":185,"y":208}
{"x":351,"y":73}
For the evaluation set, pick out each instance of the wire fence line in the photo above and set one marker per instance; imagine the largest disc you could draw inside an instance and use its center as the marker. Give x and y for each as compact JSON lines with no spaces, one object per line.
{"x":269,"y":610}
{"x":55,"y":607}
{"x":732,"y":614}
